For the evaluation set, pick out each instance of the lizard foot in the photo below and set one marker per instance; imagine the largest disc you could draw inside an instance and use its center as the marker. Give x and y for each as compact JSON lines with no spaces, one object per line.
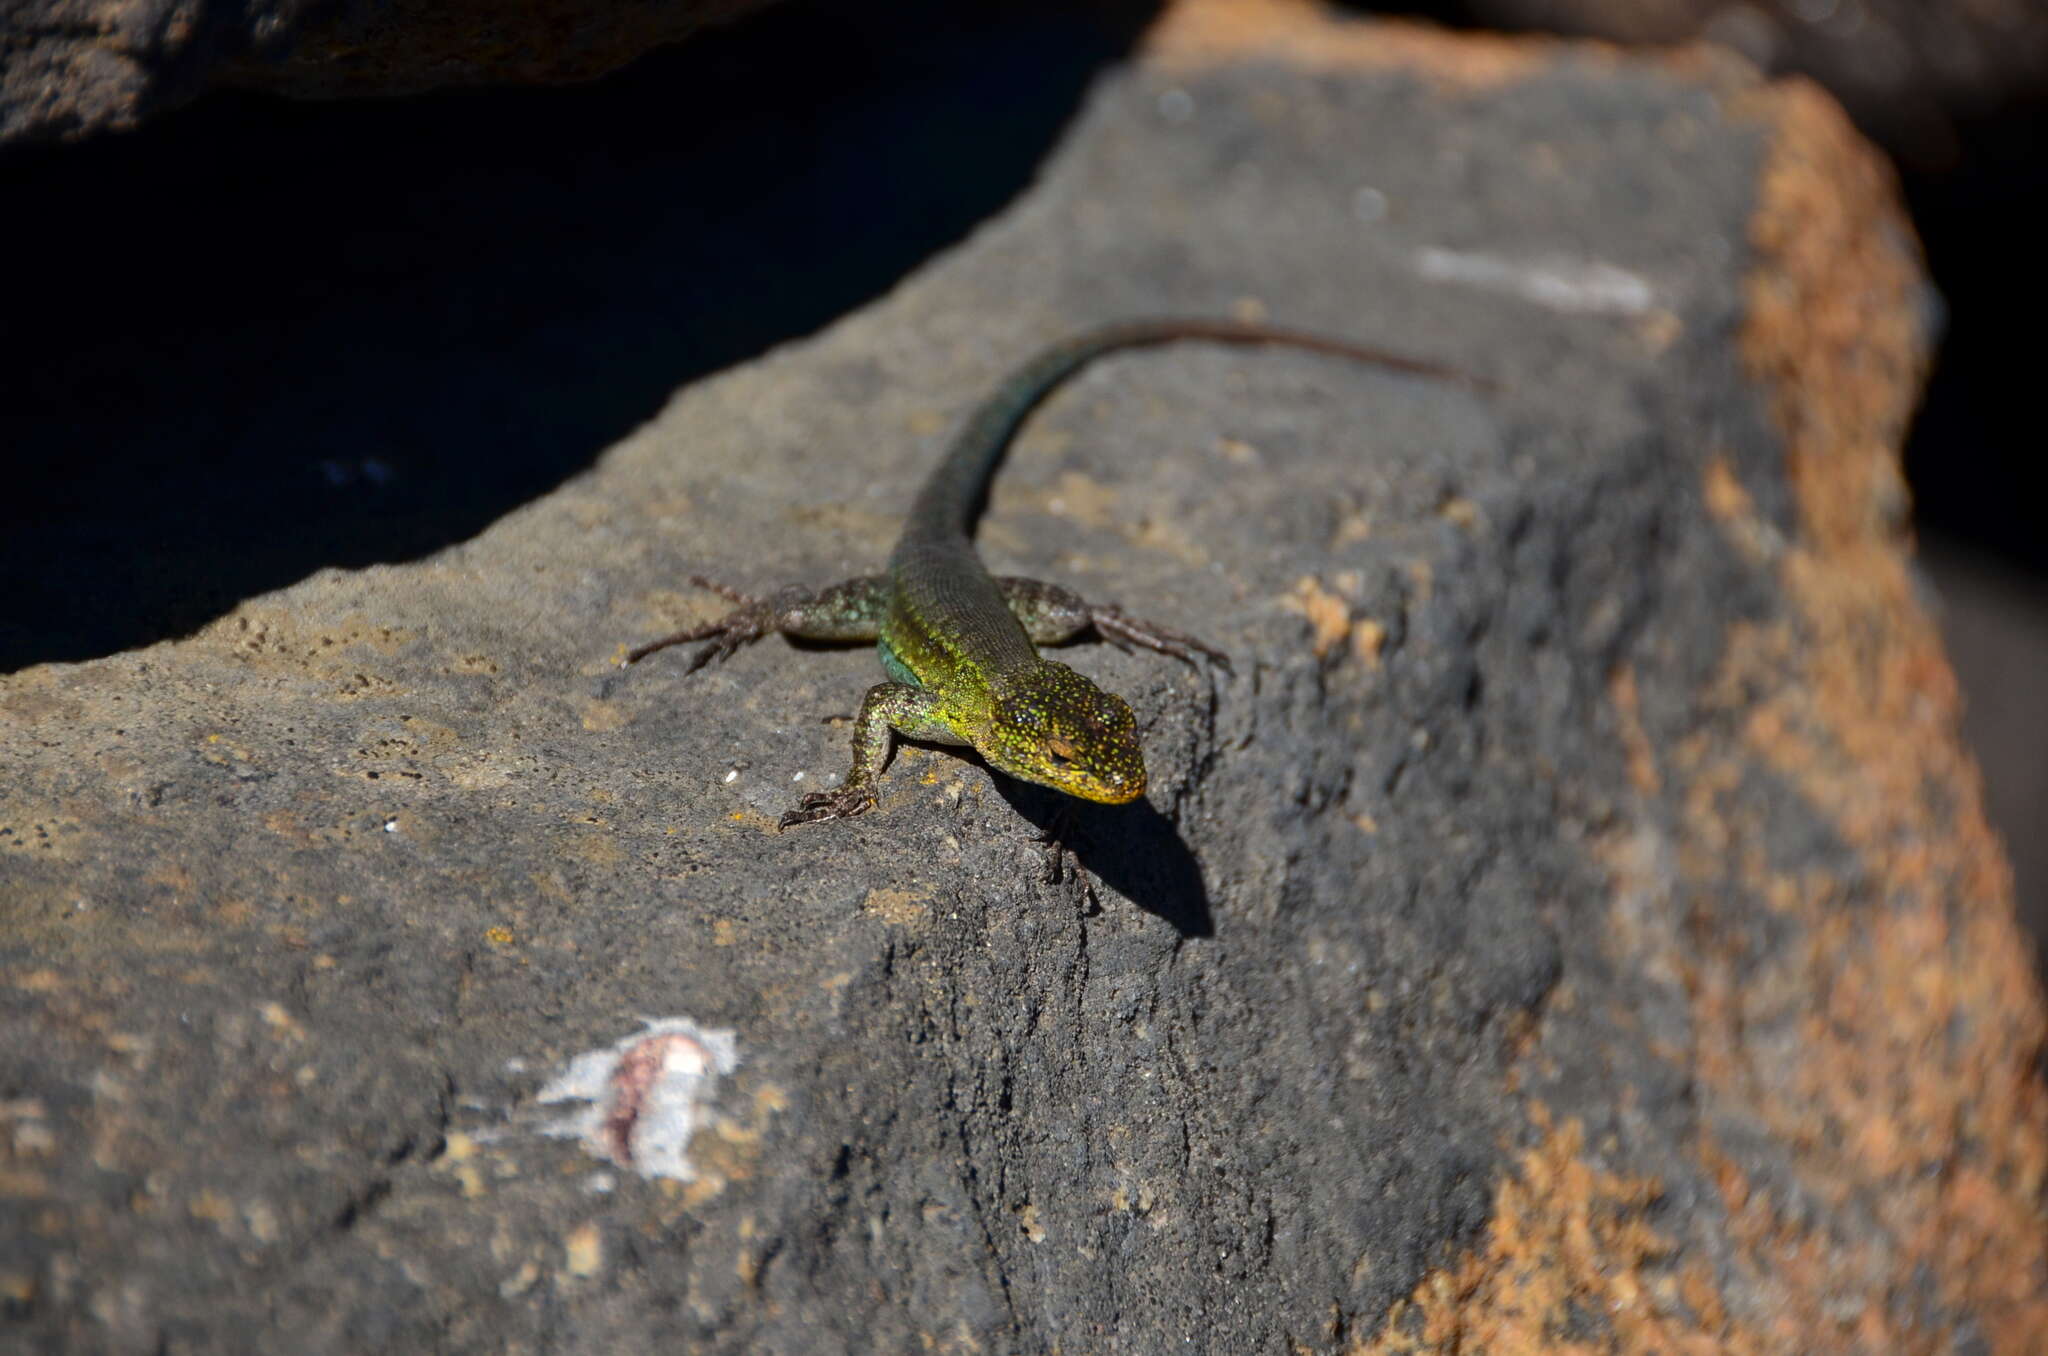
{"x":841,"y":802}
{"x":1123,"y":631}
{"x":1056,"y":838}
{"x":1062,"y":860}
{"x":750,"y":621}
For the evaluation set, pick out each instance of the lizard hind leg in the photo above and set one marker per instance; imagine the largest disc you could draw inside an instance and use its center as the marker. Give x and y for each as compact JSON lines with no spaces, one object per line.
{"x":1051,"y":615}
{"x":851,"y":610}
{"x":750,"y":621}
{"x":1123,"y":631}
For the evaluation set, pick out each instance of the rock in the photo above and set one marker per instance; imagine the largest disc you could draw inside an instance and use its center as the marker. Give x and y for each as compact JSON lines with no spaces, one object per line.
{"x":1908,"y":71}
{"x":70,"y":68}
{"x":1575,"y":924}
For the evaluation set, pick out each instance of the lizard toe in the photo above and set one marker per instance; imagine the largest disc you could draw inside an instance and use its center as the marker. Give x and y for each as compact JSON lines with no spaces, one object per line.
{"x":840,"y":803}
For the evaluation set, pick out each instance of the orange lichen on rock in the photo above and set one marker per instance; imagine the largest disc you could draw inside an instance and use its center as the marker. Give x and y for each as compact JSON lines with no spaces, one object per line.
{"x":1886,"y":1042}
{"x":1903,"y":1080}
{"x":1642,"y":758}
{"x":1303,"y":33}
{"x":1567,"y":1238}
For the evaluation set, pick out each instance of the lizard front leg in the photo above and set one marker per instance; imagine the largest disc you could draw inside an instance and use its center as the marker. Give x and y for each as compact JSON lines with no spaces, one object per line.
{"x":852,"y":610}
{"x":1052,"y":615}
{"x":889,"y":708}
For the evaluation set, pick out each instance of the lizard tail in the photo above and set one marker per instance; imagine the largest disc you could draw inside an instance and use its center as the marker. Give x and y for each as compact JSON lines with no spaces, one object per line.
{"x":952,"y":498}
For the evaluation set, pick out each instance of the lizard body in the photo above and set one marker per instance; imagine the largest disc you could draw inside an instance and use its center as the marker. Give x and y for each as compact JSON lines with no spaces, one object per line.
{"x":961,"y":645}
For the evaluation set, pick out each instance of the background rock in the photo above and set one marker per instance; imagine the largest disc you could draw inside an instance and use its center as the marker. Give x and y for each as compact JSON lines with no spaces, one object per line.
{"x":70,"y":68}
{"x":1908,"y":72}
{"x":1577,"y":922}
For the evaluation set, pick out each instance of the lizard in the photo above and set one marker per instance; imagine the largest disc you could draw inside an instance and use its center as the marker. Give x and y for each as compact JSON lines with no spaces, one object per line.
{"x":960,"y":645}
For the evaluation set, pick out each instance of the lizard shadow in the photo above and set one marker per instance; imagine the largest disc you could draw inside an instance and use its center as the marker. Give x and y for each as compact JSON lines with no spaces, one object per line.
{"x":1133,"y":849}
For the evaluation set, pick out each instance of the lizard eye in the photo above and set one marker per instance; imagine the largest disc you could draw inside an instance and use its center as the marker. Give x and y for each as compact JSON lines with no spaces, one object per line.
{"x":1060,"y":752}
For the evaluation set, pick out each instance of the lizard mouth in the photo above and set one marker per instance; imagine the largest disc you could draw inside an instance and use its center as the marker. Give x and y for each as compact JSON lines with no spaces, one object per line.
{"x":1110,"y":793}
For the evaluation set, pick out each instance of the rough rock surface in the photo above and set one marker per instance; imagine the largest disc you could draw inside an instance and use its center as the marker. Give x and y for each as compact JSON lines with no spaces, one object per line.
{"x":1575,"y":927}
{"x":73,"y":67}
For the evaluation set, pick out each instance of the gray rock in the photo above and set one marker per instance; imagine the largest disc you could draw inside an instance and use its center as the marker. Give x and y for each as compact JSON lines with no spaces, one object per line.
{"x":71,"y":68}
{"x":1574,"y":923}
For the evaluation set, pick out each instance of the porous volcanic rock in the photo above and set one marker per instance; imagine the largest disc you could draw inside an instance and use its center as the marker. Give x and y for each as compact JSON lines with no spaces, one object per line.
{"x":1574,"y":927}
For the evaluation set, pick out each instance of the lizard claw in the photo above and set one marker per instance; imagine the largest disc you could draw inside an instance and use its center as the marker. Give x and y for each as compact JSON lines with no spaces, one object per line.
{"x":842,"y":802}
{"x":725,"y":591}
{"x":1056,"y":838}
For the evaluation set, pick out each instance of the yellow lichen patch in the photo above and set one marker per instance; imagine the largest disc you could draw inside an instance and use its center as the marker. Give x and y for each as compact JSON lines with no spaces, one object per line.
{"x":1353,"y":527}
{"x":595,"y":847}
{"x":1658,"y":329}
{"x":899,"y":908}
{"x":1422,"y":579}
{"x":281,"y":1023}
{"x":1240,"y":453}
{"x":759,"y":822}
{"x":224,"y":751}
{"x":461,"y":1159}
{"x":1725,"y":497}
{"x":1368,"y":639}
{"x":728,"y":1150}
{"x":212,"y":1207}
{"x":583,"y":1251}
{"x":1566,"y":1237}
{"x":601,"y":716}
{"x":1329,"y":616}
{"x":1460,"y":512}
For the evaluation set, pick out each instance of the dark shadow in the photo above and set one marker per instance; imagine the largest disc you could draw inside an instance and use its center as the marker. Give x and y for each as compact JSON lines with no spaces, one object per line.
{"x":1133,"y":849}
{"x":1975,"y":445}
{"x":258,"y":337}
{"x":1972,"y":459}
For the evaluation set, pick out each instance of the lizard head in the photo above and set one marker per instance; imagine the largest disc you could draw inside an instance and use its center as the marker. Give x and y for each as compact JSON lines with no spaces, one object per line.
{"x":1054,"y":727}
